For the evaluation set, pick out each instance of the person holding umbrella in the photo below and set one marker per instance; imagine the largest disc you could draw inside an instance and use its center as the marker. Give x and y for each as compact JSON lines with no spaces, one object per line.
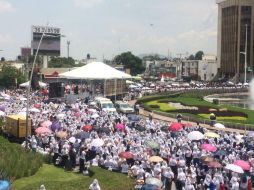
{"x":212,"y":119}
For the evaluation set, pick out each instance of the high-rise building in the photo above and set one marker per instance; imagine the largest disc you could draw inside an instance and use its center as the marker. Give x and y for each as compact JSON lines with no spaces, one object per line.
{"x":235,"y":16}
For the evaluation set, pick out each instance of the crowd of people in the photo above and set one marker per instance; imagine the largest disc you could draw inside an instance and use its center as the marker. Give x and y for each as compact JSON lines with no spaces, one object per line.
{"x":80,"y":135}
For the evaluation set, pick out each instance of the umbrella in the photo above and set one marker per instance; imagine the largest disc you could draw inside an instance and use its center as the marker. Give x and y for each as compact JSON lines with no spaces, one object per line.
{"x":72,"y":139}
{"x":22,"y":113}
{"x":4,"y":185}
{"x":152,"y":144}
{"x":42,"y":130}
{"x":46,"y":123}
{"x":140,"y":128}
{"x":61,"y":116}
{"x":175,"y":126}
{"x":82,"y":135}
{"x":212,"y":135}
{"x":195,"y":135}
{"x":209,"y":147}
{"x":220,"y":153}
{"x":104,"y":130}
{"x":87,"y":128}
{"x":55,"y":126}
{"x":2,"y":113}
{"x":2,"y":108}
{"x":23,"y":99}
{"x":34,"y":110}
{"x":214,"y":164}
{"x":95,"y":115}
{"x":133,"y":117}
{"x":234,"y":168}
{"x":219,"y":126}
{"x":119,"y":126}
{"x":155,"y":159}
{"x":243,"y":164}
{"x":38,"y":106}
{"x":154,"y":181}
{"x":188,"y":125}
{"x":77,"y":114}
{"x":61,"y":134}
{"x":97,"y":142}
{"x":207,"y":159}
{"x":126,"y":155}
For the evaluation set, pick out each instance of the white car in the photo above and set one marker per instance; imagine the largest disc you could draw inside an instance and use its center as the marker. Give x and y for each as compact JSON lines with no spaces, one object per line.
{"x":123,"y":107}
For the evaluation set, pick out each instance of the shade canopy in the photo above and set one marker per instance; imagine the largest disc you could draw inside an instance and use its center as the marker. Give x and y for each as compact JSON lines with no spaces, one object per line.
{"x":95,"y":70}
{"x":25,"y":84}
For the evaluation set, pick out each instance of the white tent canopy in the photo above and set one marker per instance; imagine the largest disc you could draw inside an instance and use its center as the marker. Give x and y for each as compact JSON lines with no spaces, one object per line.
{"x":25,"y":84}
{"x":95,"y":70}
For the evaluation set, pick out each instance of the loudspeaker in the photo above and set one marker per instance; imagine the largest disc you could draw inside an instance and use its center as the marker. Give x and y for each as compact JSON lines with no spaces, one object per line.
{"x":56,"y":90}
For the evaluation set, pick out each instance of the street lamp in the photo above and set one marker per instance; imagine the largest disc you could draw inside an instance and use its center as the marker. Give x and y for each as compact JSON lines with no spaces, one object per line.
{"x":245,"y":54}
{"x":29,"y":85}
{"x":31,"y":75}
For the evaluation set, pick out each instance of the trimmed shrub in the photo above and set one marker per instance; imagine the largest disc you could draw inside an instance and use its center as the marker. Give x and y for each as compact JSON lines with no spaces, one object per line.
{"x":154,"y":106}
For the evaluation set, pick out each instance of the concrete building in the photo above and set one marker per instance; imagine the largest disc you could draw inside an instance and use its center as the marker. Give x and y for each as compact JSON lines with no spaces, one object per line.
{"x":190,"y":68}
{"x":207,"y":67}
{"x":233,"y":16}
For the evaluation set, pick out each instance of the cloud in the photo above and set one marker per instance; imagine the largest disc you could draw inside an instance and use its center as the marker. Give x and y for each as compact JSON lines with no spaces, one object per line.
{"x":5,"y":6}
{"x":87,"y":3}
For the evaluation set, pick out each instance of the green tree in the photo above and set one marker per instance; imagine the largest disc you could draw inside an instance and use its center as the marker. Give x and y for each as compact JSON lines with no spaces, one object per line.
{"x":131,"y":62}
{"x":152,"y":57}
{"x":59,"y":62}
{"x":199,"y":55}
{"x":10,"y":75}
{"x":191,"y":57}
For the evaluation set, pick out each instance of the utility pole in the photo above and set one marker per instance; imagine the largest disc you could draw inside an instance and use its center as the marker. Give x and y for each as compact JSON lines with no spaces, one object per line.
{"x":68,"y":48}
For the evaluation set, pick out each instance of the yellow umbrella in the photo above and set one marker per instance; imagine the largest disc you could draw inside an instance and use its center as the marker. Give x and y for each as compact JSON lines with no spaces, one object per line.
{"x":212,"y":135}
{"x":155,"y":159}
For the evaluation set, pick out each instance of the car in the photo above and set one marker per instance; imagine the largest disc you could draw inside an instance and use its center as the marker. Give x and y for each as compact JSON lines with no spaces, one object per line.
{"x":123,"y":107}
{"x":105,"y":104}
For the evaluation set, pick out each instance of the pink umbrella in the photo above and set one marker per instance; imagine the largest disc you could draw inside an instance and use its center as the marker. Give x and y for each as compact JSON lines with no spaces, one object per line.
{"x":208,"y":147}
{"x":42,"y":130}
{"x":119,"y":126}
{"x":245,"y":165}
{"x":77,"y":114}
{"x":46,"y":123}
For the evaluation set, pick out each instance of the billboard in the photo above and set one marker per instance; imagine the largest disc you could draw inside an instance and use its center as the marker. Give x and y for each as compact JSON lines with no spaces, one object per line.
{"x":50,"y":44}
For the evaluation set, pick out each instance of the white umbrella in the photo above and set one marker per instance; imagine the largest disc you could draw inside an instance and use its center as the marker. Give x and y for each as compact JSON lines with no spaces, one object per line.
{"x":97,"y":142}
{"x":95,"y":115}
{"x":92,"y":110}
{"x":2,"y":113}
{"x":234,"y":168}
{"x":35,"y":110}
{"x":195,"y":135}
{"x":219,"y":126}
{"x":154,"y":181}
{"x":23,"y":99}
{"x":60,"y":115}
{"x":72,"y":139}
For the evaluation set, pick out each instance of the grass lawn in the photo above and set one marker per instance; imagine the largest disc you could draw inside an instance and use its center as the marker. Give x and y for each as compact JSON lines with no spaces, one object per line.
{"x":163,"y":106}
{"x":192,"y":101}
{"x":233,"y":118}
{"x":57,"y":179}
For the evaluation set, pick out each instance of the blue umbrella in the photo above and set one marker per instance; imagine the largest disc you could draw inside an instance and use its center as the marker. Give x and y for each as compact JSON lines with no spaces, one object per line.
{"x":4,"y":185}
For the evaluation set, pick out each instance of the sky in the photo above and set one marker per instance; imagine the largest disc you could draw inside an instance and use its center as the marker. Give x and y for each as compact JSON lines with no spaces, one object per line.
{"x":106,"y":28}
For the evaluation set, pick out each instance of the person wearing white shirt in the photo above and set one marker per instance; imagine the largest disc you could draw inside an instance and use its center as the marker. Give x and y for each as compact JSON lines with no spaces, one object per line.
{"x":124,"y":167}
{"x":181,"y":177}
{"x":169,"y":176}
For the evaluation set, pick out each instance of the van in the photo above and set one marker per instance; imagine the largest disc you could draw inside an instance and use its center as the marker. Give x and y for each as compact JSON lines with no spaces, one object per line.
{"x":105,"y":104}
{"x":123,"y":107}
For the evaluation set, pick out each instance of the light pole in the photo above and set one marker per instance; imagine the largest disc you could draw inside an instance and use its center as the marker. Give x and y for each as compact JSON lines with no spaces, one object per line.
{"x":245,"y":54}
{"x":29,"y":85}
{"x":68,"y":48}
